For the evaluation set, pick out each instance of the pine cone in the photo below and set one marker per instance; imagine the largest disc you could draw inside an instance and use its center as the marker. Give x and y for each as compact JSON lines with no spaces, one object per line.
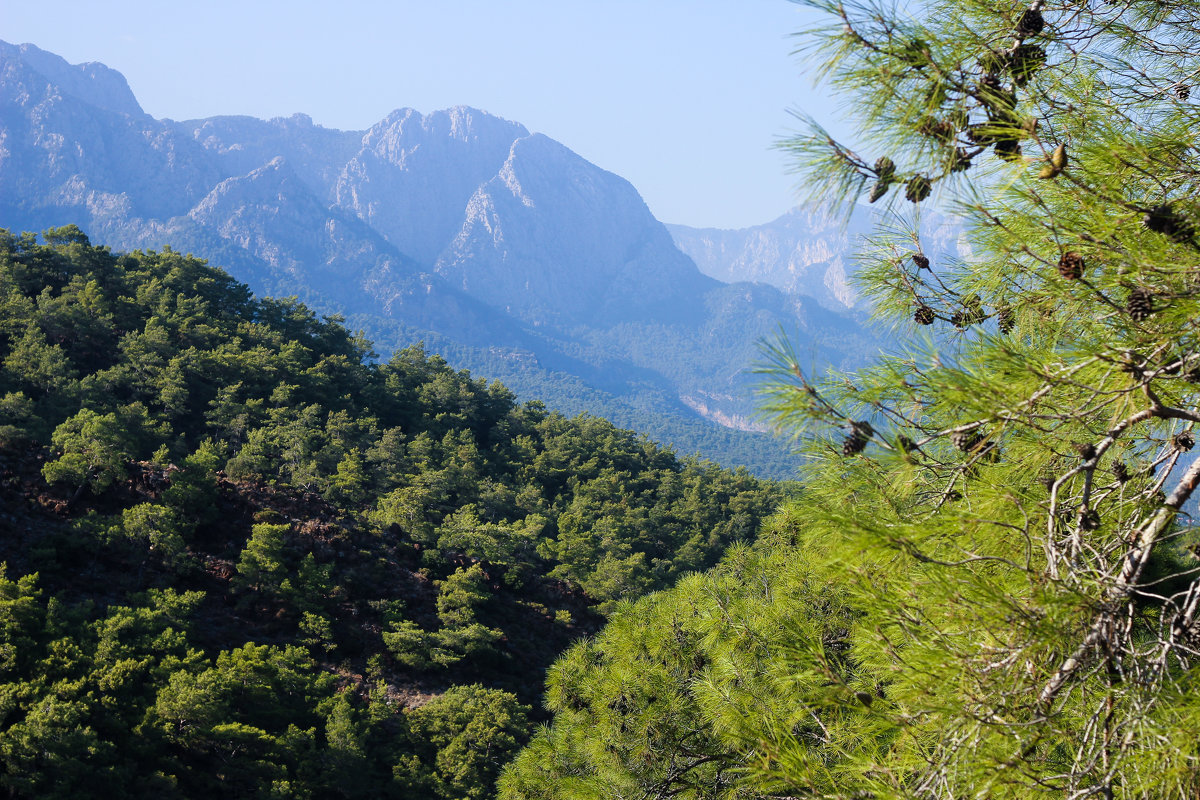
{"x":960,"y":161}
{"x":915,"y":53}
{"x":1166,"y":220}
{"x":965,"y":440}
{"x":1055,"y":164}
{"x":860,"y":434}
{"x":1183,"y":91}
{"x":1183,"y":441}
{"x":1086,"y":450}
{"x":923,"y":315}
{"x":1070,"y":266}
{"x":1030,"y":23}
{"x":877,"y":191}
{"x":1000,"y":103}
{"x":921,"y":260}
{"x":973,"y":313}
{"x":1120,"y":472}
{"x":991,"y":62}
{"x":917,"y":188}
{"x":1006,"y":320}
{"x":1090,"y":521}
{"x":1008,"y":149}
{"x":885,"y":169}
{"x":1140,"y":304}
{"x":1026,"y":60}
{"x":938,"y":129}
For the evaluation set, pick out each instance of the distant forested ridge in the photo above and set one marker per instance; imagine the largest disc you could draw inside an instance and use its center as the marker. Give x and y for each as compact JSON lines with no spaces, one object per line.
{"x":243,"y":558}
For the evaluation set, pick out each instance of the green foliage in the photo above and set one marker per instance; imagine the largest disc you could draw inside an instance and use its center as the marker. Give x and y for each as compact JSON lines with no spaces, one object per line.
{"x":262,"y":565}
{"x":193,"y":490}
{"x":158,"y":527}
{"x":253,"y":538}
{"x":994,"y":513}
{"x":95,"y":449}
{"x":169,"y":352}
{"x":460,"y":594}
{"x":471,"y":733}
{"x":409,"y":644}
{"x":673,"y":698}
{"x":22,"y":617}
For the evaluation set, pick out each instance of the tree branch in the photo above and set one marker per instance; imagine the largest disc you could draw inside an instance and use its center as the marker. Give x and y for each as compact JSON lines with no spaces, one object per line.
{"x":1134,"y":562}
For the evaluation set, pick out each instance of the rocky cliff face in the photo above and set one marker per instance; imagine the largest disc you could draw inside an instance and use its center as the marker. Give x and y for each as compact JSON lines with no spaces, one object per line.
{"x":413,"y":176}
{"x":456,"y":227}
{"x":556,"y":240}
{"x":85,"y":145}
{"x":242,"y":144}
{"x":272,"y":214}
{"x":92,"y":83}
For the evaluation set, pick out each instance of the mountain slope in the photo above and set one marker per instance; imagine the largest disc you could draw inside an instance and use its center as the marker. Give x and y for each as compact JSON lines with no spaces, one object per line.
{"x":555,"y":240}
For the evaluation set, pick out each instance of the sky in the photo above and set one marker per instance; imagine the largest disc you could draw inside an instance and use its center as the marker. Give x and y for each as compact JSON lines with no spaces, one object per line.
{"x":684,"y":98}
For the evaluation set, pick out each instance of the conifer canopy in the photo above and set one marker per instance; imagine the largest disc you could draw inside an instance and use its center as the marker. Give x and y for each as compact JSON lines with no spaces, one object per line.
{"x":999,"y":577}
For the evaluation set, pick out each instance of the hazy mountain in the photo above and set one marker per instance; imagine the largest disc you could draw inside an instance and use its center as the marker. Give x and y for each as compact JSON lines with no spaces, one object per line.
{"x":502,"y":249}
{"x":556,"y":240}
{"x":806,"y":251}
{"x":242,"y":144}
{"x":412,"y":175}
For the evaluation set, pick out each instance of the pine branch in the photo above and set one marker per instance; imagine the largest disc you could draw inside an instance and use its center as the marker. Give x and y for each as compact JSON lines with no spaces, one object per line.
{"x":1133,"y":564}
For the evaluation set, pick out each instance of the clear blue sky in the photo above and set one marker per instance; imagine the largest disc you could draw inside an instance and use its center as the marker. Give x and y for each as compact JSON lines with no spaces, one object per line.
{"x":682,"y":97}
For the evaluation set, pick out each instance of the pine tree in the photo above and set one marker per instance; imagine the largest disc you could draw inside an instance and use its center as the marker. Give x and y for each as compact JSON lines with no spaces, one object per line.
{"x":1021,"y":587}
{"x":1026,"y":602}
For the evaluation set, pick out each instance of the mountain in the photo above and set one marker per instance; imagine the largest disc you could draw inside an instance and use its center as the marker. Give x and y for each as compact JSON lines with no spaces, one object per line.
{"x":498,"y":247}
{"x":807,"y":251}
{"x":547,"y":208}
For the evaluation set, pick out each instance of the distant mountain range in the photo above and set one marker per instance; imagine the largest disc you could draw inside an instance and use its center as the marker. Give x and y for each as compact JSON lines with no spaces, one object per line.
{"x":499,"y":248}
{"x":806,"y":251}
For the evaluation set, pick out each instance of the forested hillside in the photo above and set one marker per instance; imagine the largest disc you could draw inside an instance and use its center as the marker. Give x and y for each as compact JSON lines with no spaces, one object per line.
{"x":242,"y":558}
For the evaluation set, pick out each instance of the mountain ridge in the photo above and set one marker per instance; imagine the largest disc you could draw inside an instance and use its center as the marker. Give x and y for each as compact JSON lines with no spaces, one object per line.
{"x":806,"y":250}
{"x":456,"y":226}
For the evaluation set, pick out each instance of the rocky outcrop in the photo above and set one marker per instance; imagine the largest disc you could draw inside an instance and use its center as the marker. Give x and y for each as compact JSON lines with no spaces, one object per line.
{"x":412,"y":177}
{"x":555,"y":239}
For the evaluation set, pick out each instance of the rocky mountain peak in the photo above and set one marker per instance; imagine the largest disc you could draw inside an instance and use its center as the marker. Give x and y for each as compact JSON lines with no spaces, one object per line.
{"x":519,"y":246}
{"x":91,"y":82}
{"x":413,"y":174}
